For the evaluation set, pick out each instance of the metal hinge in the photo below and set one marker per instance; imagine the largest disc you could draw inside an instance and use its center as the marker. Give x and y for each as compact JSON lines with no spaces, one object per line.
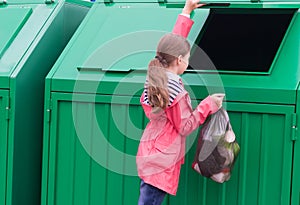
{"x":3,"y":2}
{"x":49,"y":1}
{"x":7,"y":113}
{"x":48,"y":111}
{"x":294,"y":127}
{"x":7,"y":109}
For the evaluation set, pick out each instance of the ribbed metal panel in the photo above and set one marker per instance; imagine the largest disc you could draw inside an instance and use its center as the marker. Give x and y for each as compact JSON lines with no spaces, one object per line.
{"x":76,"y":175}
{"x":263,"y":169}
{"x":262,"y":173}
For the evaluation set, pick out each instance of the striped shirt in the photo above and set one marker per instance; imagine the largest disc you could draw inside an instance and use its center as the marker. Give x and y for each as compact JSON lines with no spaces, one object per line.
{"x":174,"y":87}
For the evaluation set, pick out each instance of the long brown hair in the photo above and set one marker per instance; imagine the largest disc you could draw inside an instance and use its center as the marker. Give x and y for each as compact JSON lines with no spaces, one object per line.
{"x":169,"y":48}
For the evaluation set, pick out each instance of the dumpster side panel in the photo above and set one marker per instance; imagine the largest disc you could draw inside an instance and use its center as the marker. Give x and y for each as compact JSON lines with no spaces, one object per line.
{"x":92,"y":150}
{"x":27,"y":84}
{"x":23,"y":37}
{"x":3,"y":143}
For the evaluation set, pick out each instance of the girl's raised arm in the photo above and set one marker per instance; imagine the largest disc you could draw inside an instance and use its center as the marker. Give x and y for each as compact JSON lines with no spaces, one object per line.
{"x":184,"y":24}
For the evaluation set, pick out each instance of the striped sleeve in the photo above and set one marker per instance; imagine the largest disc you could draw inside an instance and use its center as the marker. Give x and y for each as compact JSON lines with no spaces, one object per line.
{"x":174,"y":88}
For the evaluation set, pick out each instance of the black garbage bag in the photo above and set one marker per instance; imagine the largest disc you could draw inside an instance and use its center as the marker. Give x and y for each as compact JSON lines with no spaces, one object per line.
{"x":217,"y":148}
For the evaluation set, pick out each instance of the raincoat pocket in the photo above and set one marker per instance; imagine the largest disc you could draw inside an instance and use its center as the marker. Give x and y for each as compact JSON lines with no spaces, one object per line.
{"x":164,"y":156}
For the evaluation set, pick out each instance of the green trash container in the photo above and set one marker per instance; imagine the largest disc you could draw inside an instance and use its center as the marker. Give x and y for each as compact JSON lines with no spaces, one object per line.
{"x":33,"y":34}
{"x":93,"y":118}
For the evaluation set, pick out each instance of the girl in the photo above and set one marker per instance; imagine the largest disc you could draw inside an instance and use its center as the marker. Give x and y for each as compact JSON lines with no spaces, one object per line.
{"x":167,"y":104}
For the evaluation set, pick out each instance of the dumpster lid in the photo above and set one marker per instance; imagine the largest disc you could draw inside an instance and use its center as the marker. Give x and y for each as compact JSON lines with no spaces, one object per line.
{"x":15,"y":19}
{"x":115,"y":48}
{"x":22,"y":24}
{"x":96,"y":42}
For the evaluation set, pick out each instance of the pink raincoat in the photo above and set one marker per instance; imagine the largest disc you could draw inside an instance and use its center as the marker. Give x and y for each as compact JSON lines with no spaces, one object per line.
{"x":162,"y":146}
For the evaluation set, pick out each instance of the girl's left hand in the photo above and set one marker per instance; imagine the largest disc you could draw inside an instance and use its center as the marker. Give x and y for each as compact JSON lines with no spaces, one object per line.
{"x":190,"y":5}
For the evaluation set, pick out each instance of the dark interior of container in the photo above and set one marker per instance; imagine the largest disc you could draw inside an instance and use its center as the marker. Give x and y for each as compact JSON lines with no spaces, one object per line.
{"x":244,"y":40}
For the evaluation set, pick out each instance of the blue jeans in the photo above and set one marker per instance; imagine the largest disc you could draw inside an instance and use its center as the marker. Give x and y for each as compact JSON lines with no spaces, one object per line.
{"x":150,"y":195}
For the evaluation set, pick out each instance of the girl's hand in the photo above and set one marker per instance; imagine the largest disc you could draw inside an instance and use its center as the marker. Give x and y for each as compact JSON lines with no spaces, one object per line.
{"x":218,"y":98}
{"x":190,"y":5}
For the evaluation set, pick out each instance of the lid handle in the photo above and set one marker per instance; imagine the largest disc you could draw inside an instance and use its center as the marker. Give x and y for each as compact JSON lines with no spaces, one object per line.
{"x":206,"y":4}
{"x":215,"y":4}
{"x":97,"y":69}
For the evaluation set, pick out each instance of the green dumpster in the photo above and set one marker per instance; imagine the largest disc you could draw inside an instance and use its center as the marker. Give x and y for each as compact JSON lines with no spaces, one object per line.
{"x":93,"y":119}
{"x":33,"y":34}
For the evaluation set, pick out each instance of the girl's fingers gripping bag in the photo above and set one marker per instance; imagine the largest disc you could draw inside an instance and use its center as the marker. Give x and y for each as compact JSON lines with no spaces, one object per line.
{"x":217,"y":148}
